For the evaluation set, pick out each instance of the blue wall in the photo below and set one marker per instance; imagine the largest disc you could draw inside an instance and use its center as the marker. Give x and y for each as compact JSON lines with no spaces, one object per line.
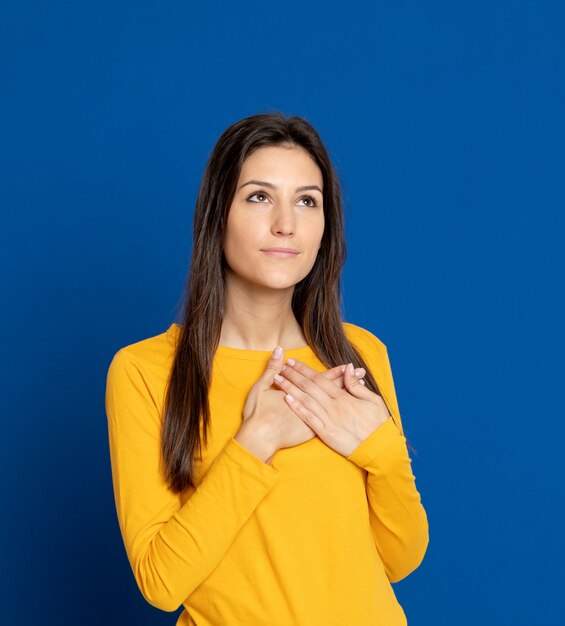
{"x":445,"y":121}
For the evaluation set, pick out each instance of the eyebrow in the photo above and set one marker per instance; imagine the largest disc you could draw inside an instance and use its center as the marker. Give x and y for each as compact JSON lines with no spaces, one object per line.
{"x":266,"y":184}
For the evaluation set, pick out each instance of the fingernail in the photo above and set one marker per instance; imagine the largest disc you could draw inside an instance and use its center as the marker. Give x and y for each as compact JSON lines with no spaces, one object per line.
{"x":277,"y":352}
{"x":283,"y":368}
{"x":350,"y":367}
{"x":291,"y":361}
{"x":359,"y":372}
{"x":278,"y":378}
{"x":362,"y":382}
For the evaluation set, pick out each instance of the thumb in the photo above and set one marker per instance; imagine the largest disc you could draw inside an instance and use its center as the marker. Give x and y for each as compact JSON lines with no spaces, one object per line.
{"x":273,"y":367}
{"x":354,"y":385}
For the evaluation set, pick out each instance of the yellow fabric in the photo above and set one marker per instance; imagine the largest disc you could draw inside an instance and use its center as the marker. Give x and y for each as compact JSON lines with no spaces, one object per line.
{"x":316,"y":538}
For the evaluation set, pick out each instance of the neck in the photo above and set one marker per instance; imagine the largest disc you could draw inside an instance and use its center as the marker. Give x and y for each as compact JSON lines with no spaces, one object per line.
{"x":259,"y":318}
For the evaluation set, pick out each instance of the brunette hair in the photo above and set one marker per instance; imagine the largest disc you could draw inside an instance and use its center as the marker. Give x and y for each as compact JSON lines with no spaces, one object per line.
{"x":315,"y":300}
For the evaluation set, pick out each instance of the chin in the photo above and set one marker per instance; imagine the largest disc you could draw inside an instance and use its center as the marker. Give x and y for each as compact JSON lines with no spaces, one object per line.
{"x":278,"y":279}
{"x":273,"y":283}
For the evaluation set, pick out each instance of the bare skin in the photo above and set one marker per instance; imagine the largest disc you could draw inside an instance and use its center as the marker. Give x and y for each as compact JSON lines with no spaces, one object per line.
{"x":278,"y":203}
{"x":268,"y":422}
{"x":342,"y":418}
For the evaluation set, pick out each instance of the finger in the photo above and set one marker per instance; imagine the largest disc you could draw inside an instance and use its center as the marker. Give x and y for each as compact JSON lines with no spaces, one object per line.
{"x":303,"y":397}
{"x":310,"y":418}
{"x":335,"y":374}
{"x":273,"y":366}
{"x":359,"y":372}
{"x":300,"y":386}
{"x":337,"y":371}
{"x":356,"y":386}
{"x":310,"y":381}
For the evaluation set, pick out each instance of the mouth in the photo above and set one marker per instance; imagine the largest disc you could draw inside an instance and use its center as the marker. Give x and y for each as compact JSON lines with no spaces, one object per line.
{"x":281,"y":253}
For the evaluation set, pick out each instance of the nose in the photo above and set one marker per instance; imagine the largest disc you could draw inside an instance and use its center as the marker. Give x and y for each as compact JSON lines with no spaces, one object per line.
{"x":284,"y":219}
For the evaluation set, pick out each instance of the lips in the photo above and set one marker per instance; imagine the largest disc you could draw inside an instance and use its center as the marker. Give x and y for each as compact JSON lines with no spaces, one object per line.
{"x":280,"y":250}
{"x":281,"y":253}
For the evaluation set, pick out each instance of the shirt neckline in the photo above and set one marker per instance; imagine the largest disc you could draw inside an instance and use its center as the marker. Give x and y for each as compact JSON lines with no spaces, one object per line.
{"x":251,"y":355}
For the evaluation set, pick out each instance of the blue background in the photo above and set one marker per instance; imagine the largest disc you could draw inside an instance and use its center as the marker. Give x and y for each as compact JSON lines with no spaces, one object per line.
{"x":445,"y":122}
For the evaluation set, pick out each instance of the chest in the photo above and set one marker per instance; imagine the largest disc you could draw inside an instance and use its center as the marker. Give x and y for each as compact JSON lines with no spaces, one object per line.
{"x":306,"y":465}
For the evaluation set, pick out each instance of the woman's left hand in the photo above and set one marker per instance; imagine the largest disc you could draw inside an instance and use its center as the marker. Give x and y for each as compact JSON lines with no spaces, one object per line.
{"x":342,"y":418}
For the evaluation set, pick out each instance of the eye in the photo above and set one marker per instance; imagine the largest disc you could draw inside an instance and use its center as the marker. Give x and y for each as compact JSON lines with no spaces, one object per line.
{"x":258,"y":193}
{"x":313,"y":202}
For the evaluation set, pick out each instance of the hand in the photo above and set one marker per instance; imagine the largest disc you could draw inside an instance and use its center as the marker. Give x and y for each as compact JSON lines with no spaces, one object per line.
{"x":342,"y":418}
{"x":336,"y":374}
{"x":269,"y":423}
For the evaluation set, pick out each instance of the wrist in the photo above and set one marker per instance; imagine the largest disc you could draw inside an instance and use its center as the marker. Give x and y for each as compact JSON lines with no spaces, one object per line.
{"x":258,"y":445}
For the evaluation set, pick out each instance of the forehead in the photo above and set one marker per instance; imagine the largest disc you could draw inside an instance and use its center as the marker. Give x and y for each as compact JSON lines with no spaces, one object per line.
{"x":283,"y":162}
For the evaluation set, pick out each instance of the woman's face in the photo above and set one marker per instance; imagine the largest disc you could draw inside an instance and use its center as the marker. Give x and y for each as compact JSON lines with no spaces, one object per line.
{"x":278,"y":203}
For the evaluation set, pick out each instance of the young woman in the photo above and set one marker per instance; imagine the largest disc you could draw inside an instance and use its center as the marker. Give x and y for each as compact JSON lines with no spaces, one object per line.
{"x":258,"y":486}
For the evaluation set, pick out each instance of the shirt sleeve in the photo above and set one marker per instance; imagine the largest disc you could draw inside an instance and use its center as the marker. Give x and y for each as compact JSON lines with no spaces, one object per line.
{"x":172,"y":547}
{"x":398,"y":520}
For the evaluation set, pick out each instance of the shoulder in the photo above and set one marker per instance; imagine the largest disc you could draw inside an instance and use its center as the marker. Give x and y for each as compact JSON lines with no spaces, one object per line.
{"x":154,"y":347}
{"x":149,"y":359}
{"x":365,"y":341}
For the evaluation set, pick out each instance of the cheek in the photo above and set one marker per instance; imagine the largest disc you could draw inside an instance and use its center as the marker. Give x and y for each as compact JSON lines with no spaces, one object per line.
{"x":242,"y":238}
{"x":316,"y":230}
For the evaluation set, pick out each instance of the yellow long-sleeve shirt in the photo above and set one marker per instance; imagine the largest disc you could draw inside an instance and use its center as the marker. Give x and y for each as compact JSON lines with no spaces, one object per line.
{"x":315,"y":539}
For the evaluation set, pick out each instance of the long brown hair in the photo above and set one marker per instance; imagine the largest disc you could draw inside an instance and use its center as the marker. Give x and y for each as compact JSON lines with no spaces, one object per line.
{"x":315,"y":300}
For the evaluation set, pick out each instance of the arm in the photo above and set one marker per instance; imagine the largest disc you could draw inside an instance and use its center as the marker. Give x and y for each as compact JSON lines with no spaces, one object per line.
{"x":172,"y":547}
{"x":398,"y":519}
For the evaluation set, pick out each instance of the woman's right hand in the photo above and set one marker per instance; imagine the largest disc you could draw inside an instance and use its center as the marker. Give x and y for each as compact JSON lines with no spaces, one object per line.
{"x":268,"y":422}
